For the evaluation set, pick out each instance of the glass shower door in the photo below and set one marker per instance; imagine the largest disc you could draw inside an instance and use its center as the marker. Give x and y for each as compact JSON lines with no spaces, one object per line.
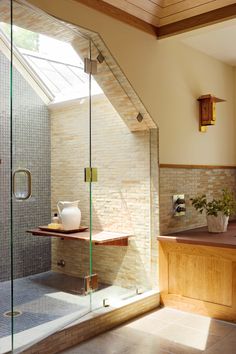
{"x":5,"y":213}
{"x":50,"y":163}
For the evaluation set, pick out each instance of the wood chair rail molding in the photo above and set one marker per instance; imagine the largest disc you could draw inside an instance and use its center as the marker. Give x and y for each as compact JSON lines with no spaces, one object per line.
{"x":183,"y":25}
{"x":211,"y":167}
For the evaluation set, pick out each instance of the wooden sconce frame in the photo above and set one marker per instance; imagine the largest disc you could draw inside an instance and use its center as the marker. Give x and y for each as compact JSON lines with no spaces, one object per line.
{"x":207,"y":111}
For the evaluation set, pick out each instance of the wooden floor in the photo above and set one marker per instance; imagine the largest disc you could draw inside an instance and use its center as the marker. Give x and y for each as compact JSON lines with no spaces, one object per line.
{"x":164,"y":331}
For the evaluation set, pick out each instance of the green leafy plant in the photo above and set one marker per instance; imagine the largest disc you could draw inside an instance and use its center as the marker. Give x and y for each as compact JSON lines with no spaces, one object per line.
{"x":226,"y":204}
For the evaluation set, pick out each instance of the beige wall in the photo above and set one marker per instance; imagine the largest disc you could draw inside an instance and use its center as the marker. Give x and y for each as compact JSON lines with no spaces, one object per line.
{"x":185,"y":74}
{"x":168,"y":77}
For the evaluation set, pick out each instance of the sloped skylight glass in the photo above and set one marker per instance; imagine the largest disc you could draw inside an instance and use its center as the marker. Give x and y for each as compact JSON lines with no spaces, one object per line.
{"x":56,"y":63}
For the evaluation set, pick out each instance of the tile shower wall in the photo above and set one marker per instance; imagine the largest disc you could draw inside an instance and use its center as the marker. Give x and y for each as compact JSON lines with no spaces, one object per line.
{"x":121,"y":197}
{"x":31,"y":149}
{"x":191,"y":182}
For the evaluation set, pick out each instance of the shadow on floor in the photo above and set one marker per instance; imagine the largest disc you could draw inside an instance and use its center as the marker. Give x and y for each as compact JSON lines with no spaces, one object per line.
{"x":164,"y":331}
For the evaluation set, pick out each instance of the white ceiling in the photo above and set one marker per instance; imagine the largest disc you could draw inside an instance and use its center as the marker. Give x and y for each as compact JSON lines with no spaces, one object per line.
{"x":218,"y":41}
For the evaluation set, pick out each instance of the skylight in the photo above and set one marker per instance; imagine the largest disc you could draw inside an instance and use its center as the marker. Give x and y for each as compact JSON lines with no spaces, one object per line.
{"x":56,"y":63}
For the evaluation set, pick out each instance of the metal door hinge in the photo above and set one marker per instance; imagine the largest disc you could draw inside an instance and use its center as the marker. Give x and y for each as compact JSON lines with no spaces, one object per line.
{"x":90,"y":283}
{"x":90,"y":66}
{"x":90,"y":174}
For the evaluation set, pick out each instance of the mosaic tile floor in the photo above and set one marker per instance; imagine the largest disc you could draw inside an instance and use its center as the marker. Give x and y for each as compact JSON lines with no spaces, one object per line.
{"x":48,"y":296}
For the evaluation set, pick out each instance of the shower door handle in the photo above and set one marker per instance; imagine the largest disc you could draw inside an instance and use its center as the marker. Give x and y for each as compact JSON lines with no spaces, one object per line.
{"x":21,"y":194}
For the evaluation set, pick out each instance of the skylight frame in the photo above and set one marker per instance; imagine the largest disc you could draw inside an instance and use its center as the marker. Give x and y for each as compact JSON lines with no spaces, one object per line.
{"x":59,"y":85}
{"x":32,"y":73}
{"x":55,"y":85}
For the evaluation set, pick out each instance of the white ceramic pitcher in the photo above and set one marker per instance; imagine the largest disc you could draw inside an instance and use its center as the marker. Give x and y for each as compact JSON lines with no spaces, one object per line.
{"x":70,"y":214}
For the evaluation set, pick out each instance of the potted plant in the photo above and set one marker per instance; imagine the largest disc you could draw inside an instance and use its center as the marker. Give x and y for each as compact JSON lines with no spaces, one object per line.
{"x":217,"y":210}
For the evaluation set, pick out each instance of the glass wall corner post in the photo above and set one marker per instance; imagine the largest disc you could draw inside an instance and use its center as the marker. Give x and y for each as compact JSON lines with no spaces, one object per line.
{"x":90,"y":173}
{"x":11,"y":173}
{"x":90,"y":182}
{"x":91,"y":178}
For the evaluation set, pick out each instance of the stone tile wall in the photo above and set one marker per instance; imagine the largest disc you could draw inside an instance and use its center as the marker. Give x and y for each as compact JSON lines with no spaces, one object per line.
{"x":31,"y":149}
{"x":191,"y":182}
{"x":121,"y":197}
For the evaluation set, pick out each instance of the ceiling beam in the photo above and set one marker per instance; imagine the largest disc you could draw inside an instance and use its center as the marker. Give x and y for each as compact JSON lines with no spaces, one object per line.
{"x":120,"y":15}
{"x":207,"y":18}
{"x":204,"y":19}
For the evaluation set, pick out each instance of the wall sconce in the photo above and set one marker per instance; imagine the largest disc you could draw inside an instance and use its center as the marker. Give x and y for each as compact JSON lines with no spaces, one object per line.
{"x":207,"y":111}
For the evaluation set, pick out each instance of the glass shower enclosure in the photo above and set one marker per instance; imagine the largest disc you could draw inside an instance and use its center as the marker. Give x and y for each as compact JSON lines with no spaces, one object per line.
{"x":34,"y":296}
{"x":70,"y":136}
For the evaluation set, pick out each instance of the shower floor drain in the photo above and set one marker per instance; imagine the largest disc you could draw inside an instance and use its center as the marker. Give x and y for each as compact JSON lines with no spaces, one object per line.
{"x":12,"y":314}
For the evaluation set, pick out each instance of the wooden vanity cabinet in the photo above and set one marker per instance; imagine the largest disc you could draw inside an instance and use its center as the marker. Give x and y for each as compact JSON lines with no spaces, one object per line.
{"x":198,"y":278}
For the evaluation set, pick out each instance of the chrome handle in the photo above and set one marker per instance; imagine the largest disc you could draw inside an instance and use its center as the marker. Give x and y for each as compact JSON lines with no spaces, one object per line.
{"x":18,"y":194}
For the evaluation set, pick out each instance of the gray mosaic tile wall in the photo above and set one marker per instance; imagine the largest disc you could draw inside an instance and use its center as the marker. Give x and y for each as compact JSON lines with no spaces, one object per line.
{"x":31,"y":149}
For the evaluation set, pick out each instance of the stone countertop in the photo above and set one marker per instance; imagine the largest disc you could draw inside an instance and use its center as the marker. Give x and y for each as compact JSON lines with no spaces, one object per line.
{"x":201,"y":236}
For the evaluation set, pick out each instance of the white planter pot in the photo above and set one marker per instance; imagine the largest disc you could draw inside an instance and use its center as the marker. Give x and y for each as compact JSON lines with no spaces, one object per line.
{"x":217,"y":223}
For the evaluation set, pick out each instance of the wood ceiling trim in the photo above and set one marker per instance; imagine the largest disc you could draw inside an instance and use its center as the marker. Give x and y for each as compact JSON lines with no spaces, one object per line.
{"x":185,"y":4}
{"x":120,"y":15}
{"x":199,"y":8}
{"x":159,"y":2}
{"x":147,"y":5}
{"x":183,"y":25}
{"x":180,"y":8}
{"x":167,"y":3}
{"x":150,"y":14}
{"x":219,"y":167}
{"x":214,"y":16}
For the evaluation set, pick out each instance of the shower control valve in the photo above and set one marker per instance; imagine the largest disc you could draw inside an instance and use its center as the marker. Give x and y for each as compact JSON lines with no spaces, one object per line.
{"x":61,"y":263}
{"x":179,"y":205}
